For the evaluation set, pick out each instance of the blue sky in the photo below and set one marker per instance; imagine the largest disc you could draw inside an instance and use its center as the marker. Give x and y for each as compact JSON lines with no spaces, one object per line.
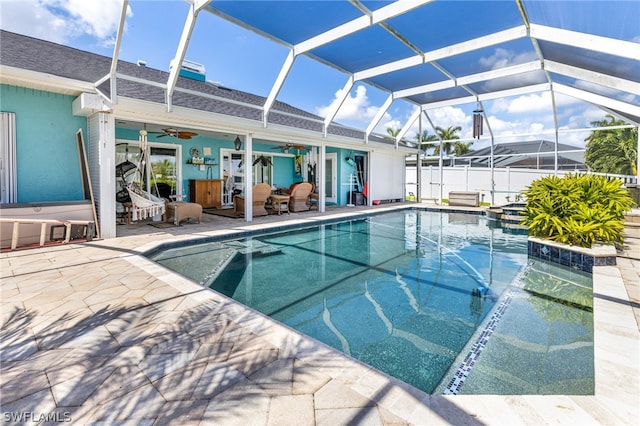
{"x":240,"y":59}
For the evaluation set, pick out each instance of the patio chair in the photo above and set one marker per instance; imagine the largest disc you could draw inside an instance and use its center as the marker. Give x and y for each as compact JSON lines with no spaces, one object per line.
{"x":299,"y":196}
{"x":261,"y":192}
{"x":143,"y":204}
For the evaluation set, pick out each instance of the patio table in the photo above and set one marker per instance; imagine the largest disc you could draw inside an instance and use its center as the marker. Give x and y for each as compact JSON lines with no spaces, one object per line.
{"x":279,"y":203}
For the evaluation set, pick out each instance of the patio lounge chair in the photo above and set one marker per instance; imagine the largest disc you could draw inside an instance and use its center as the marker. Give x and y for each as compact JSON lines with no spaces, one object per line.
{"x":261,"y":192}
{"x":299,"y":196}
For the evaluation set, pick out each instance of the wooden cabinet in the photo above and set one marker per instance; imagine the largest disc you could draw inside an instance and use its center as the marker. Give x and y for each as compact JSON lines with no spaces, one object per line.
{"x":206,"y":192}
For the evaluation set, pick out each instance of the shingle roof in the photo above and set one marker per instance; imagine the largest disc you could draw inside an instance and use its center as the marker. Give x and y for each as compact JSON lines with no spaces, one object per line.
{"x":23,"y":52}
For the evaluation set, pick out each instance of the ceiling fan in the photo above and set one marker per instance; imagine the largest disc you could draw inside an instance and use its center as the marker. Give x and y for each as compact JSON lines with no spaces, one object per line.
{"x":286,"y":147}
{"x":175,"y":133}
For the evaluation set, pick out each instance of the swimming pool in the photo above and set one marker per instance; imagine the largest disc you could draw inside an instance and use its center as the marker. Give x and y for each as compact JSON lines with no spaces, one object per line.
{"x":447,"y":302}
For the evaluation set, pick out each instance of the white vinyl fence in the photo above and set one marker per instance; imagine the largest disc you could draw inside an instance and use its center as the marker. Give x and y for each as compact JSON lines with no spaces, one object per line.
{"x":509,"y":182}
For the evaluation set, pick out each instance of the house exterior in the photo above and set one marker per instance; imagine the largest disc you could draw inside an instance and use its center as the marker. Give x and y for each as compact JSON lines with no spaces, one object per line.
{"x":537,"y":155}
{"x":58,"y":104}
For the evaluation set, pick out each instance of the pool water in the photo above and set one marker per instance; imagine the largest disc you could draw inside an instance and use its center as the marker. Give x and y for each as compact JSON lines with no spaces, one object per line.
{"x":447,"y":302}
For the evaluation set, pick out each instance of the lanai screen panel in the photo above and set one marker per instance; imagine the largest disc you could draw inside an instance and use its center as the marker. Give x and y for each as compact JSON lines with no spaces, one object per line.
{"x":492,"y":57}
{"x":443,"y":23}
{"x":439,"y":95}
{"x":290,"y":22}
{"x":628,"y":69}
{"x":357,"y":52}
{"x":597,"y":89}
{"x":410,"y":77}
{"x":588,"y":16}
{"x":464,"y":37}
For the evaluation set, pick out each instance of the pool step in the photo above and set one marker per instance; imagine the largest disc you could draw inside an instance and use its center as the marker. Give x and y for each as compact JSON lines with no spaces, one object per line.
{"x":632,"y":219}
{"x":254,"y":247}
{"x":251,"y":246}
{"x":508,"y":215}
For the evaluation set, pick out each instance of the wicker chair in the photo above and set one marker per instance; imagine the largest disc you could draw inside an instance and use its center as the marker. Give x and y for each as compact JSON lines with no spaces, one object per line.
{"x":299,"y":196}
{"x":261,"y":192}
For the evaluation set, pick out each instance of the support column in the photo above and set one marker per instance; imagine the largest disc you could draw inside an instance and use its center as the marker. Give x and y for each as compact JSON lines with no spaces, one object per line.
{"x":248,"y":177}
{"x":322,"y":178}
{"x":101,"y":153}
{"x":419,"y":164}
{"x":638,"y":159}
{"x":493,"y":180}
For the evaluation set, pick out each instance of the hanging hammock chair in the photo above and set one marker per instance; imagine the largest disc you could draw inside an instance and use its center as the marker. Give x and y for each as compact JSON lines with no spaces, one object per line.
{"x":144,"y":204}
{"x":124,"y":172}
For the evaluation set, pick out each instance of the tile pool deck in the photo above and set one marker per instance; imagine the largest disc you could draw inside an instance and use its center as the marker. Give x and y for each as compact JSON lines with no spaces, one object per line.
{"x":94,"y":333}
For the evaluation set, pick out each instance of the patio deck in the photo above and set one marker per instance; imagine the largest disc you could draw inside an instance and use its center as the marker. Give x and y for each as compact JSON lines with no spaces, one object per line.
{"x":94,"y":333}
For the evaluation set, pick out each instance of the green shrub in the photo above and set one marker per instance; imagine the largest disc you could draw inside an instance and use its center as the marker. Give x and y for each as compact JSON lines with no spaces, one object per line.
{"x":577,"y":209}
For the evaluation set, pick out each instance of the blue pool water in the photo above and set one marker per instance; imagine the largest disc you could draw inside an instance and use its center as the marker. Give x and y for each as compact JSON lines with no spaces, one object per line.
{"x":447,"y":302}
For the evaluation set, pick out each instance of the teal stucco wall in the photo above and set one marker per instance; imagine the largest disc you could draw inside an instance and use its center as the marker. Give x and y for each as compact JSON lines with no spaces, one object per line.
{"x":48,"y":166}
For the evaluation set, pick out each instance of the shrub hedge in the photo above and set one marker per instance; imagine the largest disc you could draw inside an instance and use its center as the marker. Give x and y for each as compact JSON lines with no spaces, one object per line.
{"x":577,"y":209}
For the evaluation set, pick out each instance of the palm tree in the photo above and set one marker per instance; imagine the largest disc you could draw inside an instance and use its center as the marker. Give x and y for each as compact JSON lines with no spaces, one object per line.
{"x":163,"y":169}
{"x":447,"y":134}
{"x":425,"y":137}
{"x":393,"y":133}
{"x":612,"y":151}
{"x":461,"y":148}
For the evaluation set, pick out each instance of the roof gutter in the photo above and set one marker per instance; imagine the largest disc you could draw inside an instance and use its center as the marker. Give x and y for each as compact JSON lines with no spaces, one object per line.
{"x":130,"y":109}
{"x":43,"y":81}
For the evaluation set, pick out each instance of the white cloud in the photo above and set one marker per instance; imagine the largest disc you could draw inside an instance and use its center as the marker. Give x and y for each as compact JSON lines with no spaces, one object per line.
{"x":390,"y":123}
{"x":504,"y":58}
{"x":581,"y":118}
{"x":536,"y":127}
{"x":563,"y":100}
{"x":505,"y":128}
{"x":100,"y":19}
{"x":449,"y":116}
{"x":356,"y":107}
{"x":517,"y":130}
{"x":531,"y":103}
{"x":62,"y":20}
{"x":443,"y":117}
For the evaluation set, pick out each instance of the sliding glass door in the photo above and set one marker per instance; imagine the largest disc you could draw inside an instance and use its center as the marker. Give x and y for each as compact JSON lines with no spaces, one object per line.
{"x":233,"y":168}
{"x":159,"y":174}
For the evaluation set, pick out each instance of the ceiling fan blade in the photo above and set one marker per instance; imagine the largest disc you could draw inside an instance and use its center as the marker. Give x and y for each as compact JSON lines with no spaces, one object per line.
{"x":186,"y":135}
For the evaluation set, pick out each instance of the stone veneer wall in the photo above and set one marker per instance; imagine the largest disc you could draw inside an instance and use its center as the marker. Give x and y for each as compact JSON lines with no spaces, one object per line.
{"x":580,"y":258}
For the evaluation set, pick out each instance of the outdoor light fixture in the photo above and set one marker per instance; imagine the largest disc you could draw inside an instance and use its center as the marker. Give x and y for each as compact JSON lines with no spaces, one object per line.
{"x":477,"y":122}
{"x":237,"y":144}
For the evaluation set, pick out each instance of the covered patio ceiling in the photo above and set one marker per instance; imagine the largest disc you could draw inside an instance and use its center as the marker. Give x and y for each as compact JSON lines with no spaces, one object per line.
{"x":432,"y":53}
